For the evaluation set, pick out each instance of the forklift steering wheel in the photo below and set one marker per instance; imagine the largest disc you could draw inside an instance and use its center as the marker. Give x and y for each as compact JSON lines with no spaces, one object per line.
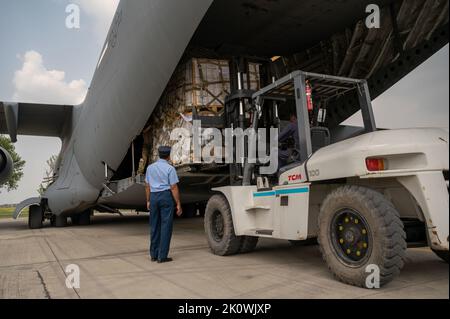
{"x":295,"y":156}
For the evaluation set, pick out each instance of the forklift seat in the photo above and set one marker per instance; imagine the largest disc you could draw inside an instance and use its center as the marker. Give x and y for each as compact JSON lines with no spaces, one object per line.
{"x":320,"y":137}
{"x":288,"y":167}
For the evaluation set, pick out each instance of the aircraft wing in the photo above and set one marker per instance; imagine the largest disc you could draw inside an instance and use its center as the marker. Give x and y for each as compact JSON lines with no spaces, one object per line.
{"x":34,"y":119}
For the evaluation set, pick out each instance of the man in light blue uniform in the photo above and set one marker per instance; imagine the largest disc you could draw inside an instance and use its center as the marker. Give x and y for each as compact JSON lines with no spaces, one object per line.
{"x":162,"y":194}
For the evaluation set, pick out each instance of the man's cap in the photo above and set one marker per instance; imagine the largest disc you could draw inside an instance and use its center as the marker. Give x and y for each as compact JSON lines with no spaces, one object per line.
{"x":164,"y":151}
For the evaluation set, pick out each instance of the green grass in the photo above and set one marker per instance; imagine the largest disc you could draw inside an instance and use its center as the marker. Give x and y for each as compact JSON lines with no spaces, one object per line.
{"x":8,"y":212}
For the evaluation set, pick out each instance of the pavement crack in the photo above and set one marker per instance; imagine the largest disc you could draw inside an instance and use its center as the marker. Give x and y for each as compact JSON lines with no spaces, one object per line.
{"x":60,"y":265}
{"x":44,"y":285}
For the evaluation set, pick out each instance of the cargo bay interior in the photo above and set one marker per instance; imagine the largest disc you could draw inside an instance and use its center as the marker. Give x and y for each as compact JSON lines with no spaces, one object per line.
{"x":221,"y":53}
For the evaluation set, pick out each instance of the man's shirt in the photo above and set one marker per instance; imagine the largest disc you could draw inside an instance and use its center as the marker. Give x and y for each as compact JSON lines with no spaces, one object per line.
{"x":161,"y":176}
{"x":290,"y":131}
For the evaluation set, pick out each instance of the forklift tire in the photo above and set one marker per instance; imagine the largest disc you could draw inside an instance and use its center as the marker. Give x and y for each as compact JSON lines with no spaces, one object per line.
{"x":248,"y":244}
{"x":219,"y":227}
{"x":35,"y":217}
{"x":443,"y":254}
{"x":358,"y":230}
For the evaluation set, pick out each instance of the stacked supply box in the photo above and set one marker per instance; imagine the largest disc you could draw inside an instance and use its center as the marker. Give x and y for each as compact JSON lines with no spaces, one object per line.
{"x":202,"y":84}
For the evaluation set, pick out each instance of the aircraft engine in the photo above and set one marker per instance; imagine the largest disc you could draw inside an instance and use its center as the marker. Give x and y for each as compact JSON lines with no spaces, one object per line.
{"x":6,"y":166}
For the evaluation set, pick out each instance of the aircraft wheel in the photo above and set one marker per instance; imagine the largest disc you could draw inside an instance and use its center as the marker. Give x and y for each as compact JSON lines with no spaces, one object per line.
{"x":443,"y":254}
{"x":219,"y":227}
{"x":360,"y":233}
{"x":202,"y":209}
{"x":75,"y":220}
{"x":189,"y":211}
{"x":35,"y":217}
{"x":60,"y":221}
{"x":83,"y":219}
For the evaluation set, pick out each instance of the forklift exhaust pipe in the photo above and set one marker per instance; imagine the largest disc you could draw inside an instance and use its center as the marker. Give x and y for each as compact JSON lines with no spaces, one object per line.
{"x":248,"y":167}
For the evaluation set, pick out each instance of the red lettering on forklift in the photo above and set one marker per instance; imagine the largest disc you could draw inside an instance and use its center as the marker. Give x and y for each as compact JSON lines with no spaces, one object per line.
{"x":293,"y":178}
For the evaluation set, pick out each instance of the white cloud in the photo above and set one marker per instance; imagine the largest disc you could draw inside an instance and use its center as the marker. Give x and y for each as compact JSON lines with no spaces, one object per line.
{"x":35,"y":83}
{"x":102,"y":11}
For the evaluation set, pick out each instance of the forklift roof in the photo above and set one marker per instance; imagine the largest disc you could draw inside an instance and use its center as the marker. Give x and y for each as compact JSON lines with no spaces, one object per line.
{"x":325,"y":86}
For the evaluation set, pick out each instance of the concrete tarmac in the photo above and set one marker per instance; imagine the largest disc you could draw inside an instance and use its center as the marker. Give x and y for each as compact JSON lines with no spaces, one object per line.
{"x":112,"y":255}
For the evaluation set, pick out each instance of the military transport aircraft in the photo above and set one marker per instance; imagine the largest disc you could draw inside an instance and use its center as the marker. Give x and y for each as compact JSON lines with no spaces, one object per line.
{"x":147,"y":40}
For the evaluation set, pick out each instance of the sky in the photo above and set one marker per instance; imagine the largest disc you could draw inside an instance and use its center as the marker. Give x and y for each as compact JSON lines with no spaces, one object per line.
{"x":41,"y":60}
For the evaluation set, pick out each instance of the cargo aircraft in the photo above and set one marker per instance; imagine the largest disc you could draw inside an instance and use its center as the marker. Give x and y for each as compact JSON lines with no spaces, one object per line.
{"x":96,"y":168}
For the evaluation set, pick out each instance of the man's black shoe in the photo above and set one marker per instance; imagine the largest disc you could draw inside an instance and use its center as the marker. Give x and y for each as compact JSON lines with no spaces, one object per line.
{"x":154,"y":259}
{"x":166,"y":260}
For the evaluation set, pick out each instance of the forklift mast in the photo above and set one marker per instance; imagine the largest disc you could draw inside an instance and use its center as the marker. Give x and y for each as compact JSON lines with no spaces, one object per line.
{"x":239,"y":106}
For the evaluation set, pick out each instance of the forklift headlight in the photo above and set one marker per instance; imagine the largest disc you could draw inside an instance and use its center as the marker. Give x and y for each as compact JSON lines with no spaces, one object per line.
{"x":375,"y":164}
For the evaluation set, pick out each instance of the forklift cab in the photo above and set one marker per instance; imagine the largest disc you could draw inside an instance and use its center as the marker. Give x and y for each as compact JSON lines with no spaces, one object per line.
{"x":313,"y":132}
{"x":317,"y":196}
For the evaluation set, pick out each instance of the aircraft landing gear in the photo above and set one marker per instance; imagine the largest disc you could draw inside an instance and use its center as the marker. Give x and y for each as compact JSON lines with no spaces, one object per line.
{"x":36,"y":217}
{"x":189,"y":210}
{"x":38,"y":214}
{"x":83,"y":219}
{"x":59,"y":221}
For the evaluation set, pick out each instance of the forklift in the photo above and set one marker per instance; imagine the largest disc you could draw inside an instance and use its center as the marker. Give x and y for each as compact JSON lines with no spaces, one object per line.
{"x":365,"y":195}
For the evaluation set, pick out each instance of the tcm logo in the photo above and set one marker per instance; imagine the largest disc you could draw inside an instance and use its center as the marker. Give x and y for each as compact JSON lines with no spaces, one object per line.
{"x":294,"y":178}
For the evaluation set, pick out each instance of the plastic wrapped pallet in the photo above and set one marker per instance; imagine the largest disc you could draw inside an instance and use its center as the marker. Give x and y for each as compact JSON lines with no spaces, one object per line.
{"x":202,"y":84}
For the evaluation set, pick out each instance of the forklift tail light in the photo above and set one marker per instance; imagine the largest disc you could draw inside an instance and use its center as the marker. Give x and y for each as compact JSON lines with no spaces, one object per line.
{"x":375,"y":164}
